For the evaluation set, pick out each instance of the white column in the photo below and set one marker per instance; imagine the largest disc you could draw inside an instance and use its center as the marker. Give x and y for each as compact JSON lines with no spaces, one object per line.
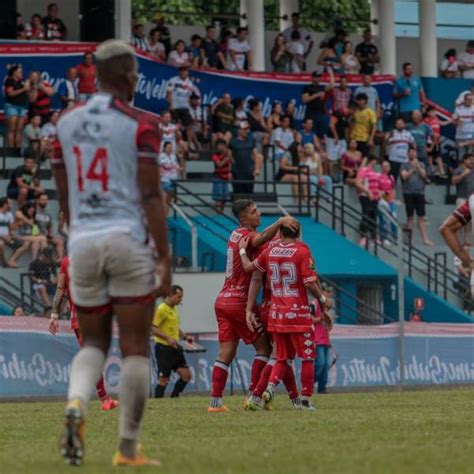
{"x":123,"y":20}
{"x":287,"y":7}
{"x":256,"y":28}
{"x":428,"y":44}
{"x":244,"y":10}
{"x":387,"y":37}
{"x":374,"y":15}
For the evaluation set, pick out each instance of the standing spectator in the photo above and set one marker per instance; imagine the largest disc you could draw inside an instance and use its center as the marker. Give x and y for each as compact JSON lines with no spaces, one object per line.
{"x":423,"y":136}
{"x":296,"y":51}
{"x":387,"y":185}
{"x":460,"y":98}
{"x":336,"y":139}
{"x":200,"y":120}
{"x":312,"y":160}
{"x":139,"y":39}
{"x":35,"y":30}
{"x":87,"y":77}
{"x":210,"y":48}
{"x":67,"y":90}
{"x":20,"y":27}
{"x":313,"y":97}
{"x":351,"y":161}
{"x":169,"y":171}
{"x":368,"y":186}
{"x":44,"y":221}
{"x":466,"y":61}
{"x":6,"y":230}
{"x":349,"y":61}
{"x":408,"y":90}
{"x":48,"y":130}
{"x":432,"y":120}
{"x":169,"y":354}
{"x":304,"y":34}
{"x":463,"y":179}
{"x":329,"y":57}
{"x":399,"y":143}
{"x":341,"y":96}
{"x":39,"y":96}
{"x":280,"y":55}
{"x":32,"y":139}
{"x":367,"y":54}
{"x":24,"y":183}
{"x":274,"y":119}
{"x":290,"y":111}
{"x":226,"y":36}
{"x":239,"y":55}
{"x":240,"y":115}
{"x":179,"y":57}
{"x":223,"y":118}
{"x":322,"y":326}
{"x":157,"y":48}
{"x":43,"y":277}
{"x":291,"y":171}
{"x":165,"y":35}
{"x":373,"y":100}
{"x":463,"y":117}
{"x":449,"y":65}
{"x":195,"y":52}
{"x":283,"y":138}
{"x":170,"y":133}
{"x":54,"y":28}
{"x":16,"y":104}
{"x":257,"y":123}
{"x":413,"y":176}
{"x":247,"y":161}
{"x":223,"y":162}
{"x":363,"y":125}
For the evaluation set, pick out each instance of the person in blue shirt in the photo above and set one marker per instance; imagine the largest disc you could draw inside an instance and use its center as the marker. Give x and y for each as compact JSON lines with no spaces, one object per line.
{"x":423,"y":135}
{"x":409,"y":92}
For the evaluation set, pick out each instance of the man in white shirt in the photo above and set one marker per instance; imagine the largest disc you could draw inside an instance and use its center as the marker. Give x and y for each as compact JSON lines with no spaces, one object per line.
{"x":296,"y":48}
{"x":282,"y":138}
{"x":466,"y":61}
{"x":6,"y":221}
{"x":399,"y":143}
{"x":460,"y":98}
{"x":463,"y":117}
{"x":239,"y":56}
{"x":305,"y":35}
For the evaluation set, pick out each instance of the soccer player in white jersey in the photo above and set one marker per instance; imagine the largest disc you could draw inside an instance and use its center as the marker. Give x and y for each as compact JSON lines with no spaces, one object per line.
{"x":107,"y":175}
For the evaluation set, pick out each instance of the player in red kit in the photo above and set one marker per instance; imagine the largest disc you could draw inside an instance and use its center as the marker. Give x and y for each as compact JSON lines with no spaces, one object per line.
{"x":62,"y":290}
{"x":231,"y":303}
{"x":290,"y":268}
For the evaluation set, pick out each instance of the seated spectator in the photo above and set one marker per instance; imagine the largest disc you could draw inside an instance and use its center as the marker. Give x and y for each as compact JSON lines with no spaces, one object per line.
{"x":463,"y":179}
{"x":157,"y":48}
{"x":282,"y":138}
{"x":24,"y":183}
{"x":87,"y":77}
{"x":35,"y":30}
{"x":239,"y":55}
{"x":16,"y":92}
{"x":223,"y":118}
{"x":317,"y":178}
{"x":139,"y":39}
{"x":165,"y":36}
{"x":239,"y":111}
{"x":336,"y":139}
{"x":399,"y":142}
{"x":387,"y":187}
{"x":280,"y":55}
{"x":290,"y":111}
{"x":367,"y":54}
{"x":349,"y":61}
{"x":329,"y":59}
{"x":306,"y":135}
{"x":423,"y":136}
{"x":200,"y":120}
{"x":296,"y":51}
{"x":39,"y":96}
{"x":291,"y":171}
{"x":179,"y":57}
{"x":26,"y":232}
{"x":44,"y":221}
{"x":341,"y":96}
{"x":32,"y":142}
{"x":466,"y":61}
{"x":54,"y":28}
{"x":48,"y":130}
{"x":195,"y":51}
{"x":6,"y":229}
{"x":463,"y":117}
{"x":210,"y":48}
{"x":67,"y":91}
{"x":20,"y":27}
{"x":257,"y":124}
{"x":170,"y":172}
{"x":223,"y":162}
{"x":363,"y":125}
{"x":43,"y":272}
{"x":18,"y":311}
{"x":351,"y":161}
{"x":449,"y":65}
{"x":274,"y":119}
{"x":226,"y":36}
{"x":434,"y":155}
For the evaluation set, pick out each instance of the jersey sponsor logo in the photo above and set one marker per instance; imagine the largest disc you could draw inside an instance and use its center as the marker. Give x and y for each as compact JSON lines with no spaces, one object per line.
{"x":235,"y":236}
{"x":282,"y":252}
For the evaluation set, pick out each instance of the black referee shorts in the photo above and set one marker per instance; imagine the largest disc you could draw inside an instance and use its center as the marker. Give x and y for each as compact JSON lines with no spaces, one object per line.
{"x":169,"y":359}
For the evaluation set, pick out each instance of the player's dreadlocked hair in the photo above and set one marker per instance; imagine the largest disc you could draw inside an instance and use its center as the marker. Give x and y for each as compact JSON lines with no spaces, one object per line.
{"x":240,"y":206}
{"x":288,"y":233}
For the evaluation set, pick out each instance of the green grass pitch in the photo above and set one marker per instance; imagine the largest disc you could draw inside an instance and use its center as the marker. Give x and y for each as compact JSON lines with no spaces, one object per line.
{"x":387,"y":432}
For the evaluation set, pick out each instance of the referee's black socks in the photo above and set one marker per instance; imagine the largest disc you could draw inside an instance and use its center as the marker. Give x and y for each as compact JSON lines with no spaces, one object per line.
{"x":178,"y":388}
{"x":160,"y":391}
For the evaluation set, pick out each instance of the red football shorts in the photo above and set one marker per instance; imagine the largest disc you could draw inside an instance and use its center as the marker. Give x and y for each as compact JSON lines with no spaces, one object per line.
{"x":291,"y":344}
{"x":232,"y":326}
{"x":262,"y":315}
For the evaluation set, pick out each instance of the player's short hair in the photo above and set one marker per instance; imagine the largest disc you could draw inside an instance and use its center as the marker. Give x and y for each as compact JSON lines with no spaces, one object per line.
{"x":175,"y":288}
{"x":240,"y":206}
{"x":288,"y":233}
{"x":114,"y":59}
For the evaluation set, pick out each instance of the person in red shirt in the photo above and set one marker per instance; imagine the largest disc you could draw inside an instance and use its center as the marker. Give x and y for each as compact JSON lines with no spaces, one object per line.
{"x":434,"y":156}
{"x":231,"y":303}
{"x":290,"y":268}
{"x":87,"y":77}
{"x":39,"y":96}
{"x":107,"y":402}
{"x":223,"y":162}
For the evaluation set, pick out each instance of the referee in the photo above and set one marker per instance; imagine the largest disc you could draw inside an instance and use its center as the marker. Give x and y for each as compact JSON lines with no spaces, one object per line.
{"x":169,"y":354}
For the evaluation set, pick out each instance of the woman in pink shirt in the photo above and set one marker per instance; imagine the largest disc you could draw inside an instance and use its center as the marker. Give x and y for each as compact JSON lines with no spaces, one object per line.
{"x":322,"y":326}
{"x":387,"y":201}
{"x":351,"y":160}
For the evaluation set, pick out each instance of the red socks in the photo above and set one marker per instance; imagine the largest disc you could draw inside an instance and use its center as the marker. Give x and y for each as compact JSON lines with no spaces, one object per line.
{"x":290,"y":381}
{"x":278,"y":372}
{"x":264,"y":378}
{"x":219,"y":378}
{"x":307,"y":378}
{"x":100,"y":387}
{"x":259,"y":364}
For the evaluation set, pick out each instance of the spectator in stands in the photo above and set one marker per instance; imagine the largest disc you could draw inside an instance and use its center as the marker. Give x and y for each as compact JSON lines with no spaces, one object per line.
{"x":170,"y":133}
{"x":351,"y":161}
{"x":210,"y":48}
{"x":165,"y":35}
{"x":304,"y":34}
{"x":54,"y":28}
{"x":408,"y":90}
{"x":341,"y":96}
{"x":460,"y":97}
{"x":349,"y":61}
{"x":139,"y":39}
{"x":449,"y":65}
{"x":414,"y":177}
{"x":157,"y":48}
{"x":240,"y":115}
{"x":280,"y":55}
{"x":423,"y":136}
{"x":87,"y":77}
{"x":223,"y":118}
{"x":367,"y":54}
{"x":296,"y":51}
{"x":257,"y":123}
{"x":329,"y":59}
{"x":283,"y":138}
{"x":239,"y":55}
{"x":336,"y":139}
{"x":179,"y":57}
{"x":44,"y":221}
{"x":312,"y":160}
{"x":32,"y":142}
{"x":18,"y":311}
{"x":463,"y":179}
{"x":200,"y":120}
{"x":290,"y":111}
{"x":195,"y":51}
{"x":463,"y":117}
{"x":39,"y":96}
{"x":67,"y":90}
{"x":368,"y":187}
{"x":16,"y":92}
{"x":27,"y":233}
{"x":24,"y":183}
{"x":307,"y":135}
{"x":322,"y":326}
{"x":291,"y":171}
{"x":466,"y":61}
{"x":274,"y":119}
{"x":48,"y":130}
{"x":363,"y":125}
{"x":35,"y":30}
{"x":223,"y":162}
{"x":371,"y":92}
{"x":247,"y":161}
{"x":434,"y":155}
{"x":6,"y":229}
{"x":43,"y":272}
{"x":225,"y":37}
{"x":20,"y":27}
{"x":387,"y":185}
{"x":313,"y":97}
{"x":170,"y":171}
{"x":399,"y":142}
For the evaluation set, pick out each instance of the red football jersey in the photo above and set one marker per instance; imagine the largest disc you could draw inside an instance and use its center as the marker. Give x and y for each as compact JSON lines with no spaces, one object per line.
{"x":267,"y":287}
{"x":237,"y":281}
{"x":64,"y":270}
{"x":289,"y":266}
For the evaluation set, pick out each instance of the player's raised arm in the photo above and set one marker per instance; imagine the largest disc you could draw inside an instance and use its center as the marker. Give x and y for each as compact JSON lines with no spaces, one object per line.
{"x":247,"y":264}
{"x":270,"y":232}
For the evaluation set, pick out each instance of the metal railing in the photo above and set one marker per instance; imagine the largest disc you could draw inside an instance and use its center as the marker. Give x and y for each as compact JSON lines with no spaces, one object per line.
{"x":14,"y":296}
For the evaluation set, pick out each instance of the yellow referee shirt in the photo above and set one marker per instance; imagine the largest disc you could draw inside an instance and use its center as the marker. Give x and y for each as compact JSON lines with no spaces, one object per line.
{"x":167,"y":320}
